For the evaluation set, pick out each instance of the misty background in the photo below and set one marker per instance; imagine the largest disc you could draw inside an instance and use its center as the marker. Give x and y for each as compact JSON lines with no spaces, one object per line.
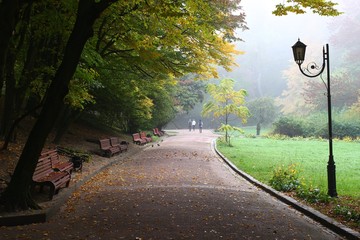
{"x":267,"y":46}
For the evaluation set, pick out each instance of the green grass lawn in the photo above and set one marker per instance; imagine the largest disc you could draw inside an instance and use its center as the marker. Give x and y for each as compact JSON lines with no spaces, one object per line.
{"x":260,"y":156}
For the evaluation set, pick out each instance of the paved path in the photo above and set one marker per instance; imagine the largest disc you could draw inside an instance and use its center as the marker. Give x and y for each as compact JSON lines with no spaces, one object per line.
{"x":178,"y":190}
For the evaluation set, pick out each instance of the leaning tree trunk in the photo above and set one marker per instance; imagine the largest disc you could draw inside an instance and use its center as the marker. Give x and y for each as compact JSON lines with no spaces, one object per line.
{"x":17,"y":195}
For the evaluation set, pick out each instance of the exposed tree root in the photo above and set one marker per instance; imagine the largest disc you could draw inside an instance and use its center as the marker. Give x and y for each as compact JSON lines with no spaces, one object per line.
{"x":20,"y":202}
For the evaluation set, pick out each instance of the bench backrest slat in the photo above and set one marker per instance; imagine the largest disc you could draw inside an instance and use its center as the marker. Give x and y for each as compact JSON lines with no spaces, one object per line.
{"x":136,"y":136}
{"x":114,"y":141}
{"x":43,"y":168}
{"x":105,"y":143}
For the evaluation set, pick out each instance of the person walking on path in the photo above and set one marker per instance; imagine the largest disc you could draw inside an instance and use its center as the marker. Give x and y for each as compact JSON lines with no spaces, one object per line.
{"x":189,"y":123}
{"x":193,"y":123}
{"x":201,"y":124}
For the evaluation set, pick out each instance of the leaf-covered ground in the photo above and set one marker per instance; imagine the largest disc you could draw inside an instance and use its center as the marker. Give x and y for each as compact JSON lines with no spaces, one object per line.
{"x":178,"y":190}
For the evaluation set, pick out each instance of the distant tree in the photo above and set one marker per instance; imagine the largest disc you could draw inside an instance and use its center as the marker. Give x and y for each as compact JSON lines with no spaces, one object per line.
{"x":292,"y":99}
{"x":226,"y":101}
{"x":354,"y":111}
{"x":344,"y":32}
{"x":188,"y":92}
{"x":344,"y":91}
{"x":262,"y":111}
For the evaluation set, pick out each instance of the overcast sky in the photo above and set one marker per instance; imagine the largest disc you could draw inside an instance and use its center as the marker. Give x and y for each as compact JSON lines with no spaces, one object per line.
{"x":267,"y":45}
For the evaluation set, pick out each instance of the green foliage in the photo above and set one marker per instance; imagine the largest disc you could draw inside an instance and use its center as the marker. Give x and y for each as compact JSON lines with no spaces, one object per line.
{"x":230,"y":130}
{"x":187,"y":93}
{"x":285,"y":179}
{"x":69,"y":152}
{"x":262,"y":110}
{"x":289,"y":126}
{"x":226,"y":101}
{"x":321,"y":7}
{"x":315,"y":126}
{"x":312,"y":195}
{"x":348,"y":213}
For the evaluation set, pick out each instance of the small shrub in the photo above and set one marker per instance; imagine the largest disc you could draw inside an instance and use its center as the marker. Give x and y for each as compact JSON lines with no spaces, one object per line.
{"x":277,"y":137}
{"x":347,"y":139}
{"x":285,"y":179}
{"x":348,"y":213}
{"x":289,"y":126}
{"x":312,"y":195}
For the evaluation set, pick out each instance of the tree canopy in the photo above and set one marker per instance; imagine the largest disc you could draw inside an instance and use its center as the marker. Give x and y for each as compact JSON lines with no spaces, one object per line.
{"x":226,"y":102}
{"x":58,"y":58}
{"x":321,"y":7}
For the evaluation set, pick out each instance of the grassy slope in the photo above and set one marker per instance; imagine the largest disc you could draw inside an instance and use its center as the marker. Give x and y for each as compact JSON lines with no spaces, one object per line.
{"x":259,"y":156}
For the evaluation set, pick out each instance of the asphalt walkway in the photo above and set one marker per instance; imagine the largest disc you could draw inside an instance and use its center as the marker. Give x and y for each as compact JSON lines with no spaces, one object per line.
{"x":178,"y":190}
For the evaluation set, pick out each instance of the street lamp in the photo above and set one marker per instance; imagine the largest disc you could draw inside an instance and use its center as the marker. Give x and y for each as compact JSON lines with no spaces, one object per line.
{"x":313,"y":70}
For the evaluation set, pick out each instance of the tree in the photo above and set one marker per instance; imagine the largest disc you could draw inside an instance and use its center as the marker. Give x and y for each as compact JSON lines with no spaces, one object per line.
{"x":200,"y":31}
{"x":188,"y":92}
{"x":344,"y":92}
{"x":17,"y":194}
{"x":262,"y":111}
{"x":321,"y":7}
{"x":196,"y":34}
{"x":226,"y":101}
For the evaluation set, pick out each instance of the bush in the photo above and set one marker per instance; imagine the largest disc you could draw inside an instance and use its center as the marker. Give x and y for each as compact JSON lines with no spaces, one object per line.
{"x":312,"y":195}
{"x":285,"y":179}
{"x":348,"y":213}
{"x":289,"y":126}
{"x":316,"y":126}
{"x":340,"y":130}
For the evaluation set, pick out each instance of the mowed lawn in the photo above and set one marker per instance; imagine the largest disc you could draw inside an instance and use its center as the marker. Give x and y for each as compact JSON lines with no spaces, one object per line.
{"x":260,"y":156}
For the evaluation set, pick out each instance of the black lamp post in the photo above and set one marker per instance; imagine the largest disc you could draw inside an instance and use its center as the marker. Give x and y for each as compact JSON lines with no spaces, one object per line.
{"x":299,"y":56}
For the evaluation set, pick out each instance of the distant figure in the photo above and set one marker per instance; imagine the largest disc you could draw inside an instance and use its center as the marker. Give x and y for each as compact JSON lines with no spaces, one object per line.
{"x":189,"y":123}
{"x":193,"y":123}
{"x":201,"y":124}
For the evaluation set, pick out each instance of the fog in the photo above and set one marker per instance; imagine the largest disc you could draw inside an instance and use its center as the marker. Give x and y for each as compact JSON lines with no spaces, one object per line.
{"x":267,"y":45}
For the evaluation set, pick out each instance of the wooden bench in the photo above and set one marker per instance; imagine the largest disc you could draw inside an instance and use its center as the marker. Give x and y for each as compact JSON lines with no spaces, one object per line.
{"x":56,"y":163}
{"x":122,"y":145}
{"x":45,"y":175}
{"x":143,"y":136}
{"x":106,"y":148}
{"x":158,"y":133}
{"x":138,"y":140}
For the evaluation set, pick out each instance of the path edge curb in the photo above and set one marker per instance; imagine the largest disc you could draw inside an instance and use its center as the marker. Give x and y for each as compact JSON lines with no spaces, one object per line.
{"x":306,"y":210}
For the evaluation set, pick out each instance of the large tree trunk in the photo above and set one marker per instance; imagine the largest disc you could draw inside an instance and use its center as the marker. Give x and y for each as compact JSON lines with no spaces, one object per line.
{"x":17,"y":193}
{"x":67,"y":117}
{"x":9,"y":104}
{"x":9,"y":11}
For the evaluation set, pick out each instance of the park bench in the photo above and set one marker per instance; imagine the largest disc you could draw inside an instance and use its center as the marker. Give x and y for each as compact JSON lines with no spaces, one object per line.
{"x":107,"y":149}
{"x":56,"y":163}
{"x":122,"y":145}
{"x":45,"y":175}
{"x":138,"y":140}
{"x":143,"y":136}
{"x":158,"y":133}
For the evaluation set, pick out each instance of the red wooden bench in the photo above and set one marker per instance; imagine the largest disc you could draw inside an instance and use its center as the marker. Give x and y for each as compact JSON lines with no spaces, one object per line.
{"x":143,"y":136}
{"x":122,"y":145}
{"x":106,"y":148}
{"x":158,"y":133}
{"x":138,"y":140}
{"x":45,"y":175}
{"x":56,"y":163}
